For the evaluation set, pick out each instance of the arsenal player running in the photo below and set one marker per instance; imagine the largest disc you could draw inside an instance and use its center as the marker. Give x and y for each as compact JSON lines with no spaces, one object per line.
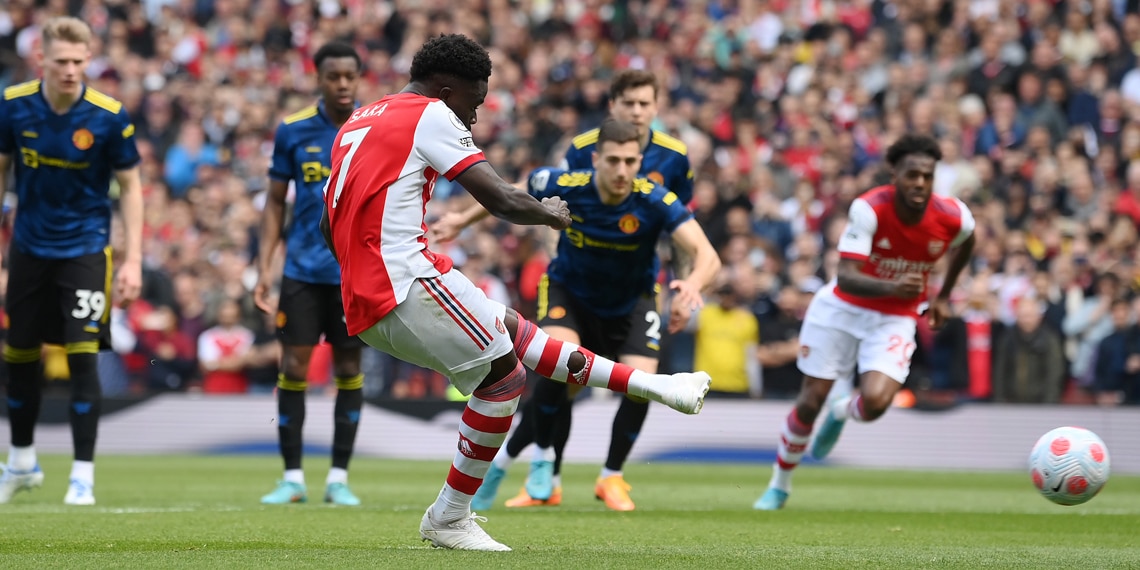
{"x":894,"y":236}
{"x":406,"y":300}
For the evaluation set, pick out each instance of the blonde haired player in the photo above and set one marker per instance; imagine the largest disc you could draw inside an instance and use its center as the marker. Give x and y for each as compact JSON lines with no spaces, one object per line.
{"x":71,"y":141}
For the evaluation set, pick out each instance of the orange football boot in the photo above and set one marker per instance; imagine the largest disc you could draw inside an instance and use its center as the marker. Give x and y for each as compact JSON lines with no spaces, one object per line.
{"x":524,"y":500}
{"x":615,"y":492}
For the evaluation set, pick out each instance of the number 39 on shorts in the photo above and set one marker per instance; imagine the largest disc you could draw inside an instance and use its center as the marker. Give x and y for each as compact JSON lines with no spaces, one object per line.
{"x":89,"y":304}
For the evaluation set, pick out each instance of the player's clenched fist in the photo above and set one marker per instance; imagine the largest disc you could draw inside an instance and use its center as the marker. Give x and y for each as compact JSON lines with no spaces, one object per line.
{"x":560,"y":209}
{"x":909,"y":286}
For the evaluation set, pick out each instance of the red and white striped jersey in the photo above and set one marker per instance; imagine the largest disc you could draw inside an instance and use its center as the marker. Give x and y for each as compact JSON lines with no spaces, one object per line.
{"x":385,"y":162}
{"x":890,"y":248}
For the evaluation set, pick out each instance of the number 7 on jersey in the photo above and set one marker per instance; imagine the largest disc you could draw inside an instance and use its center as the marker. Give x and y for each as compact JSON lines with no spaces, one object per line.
{"x":353,"y":138}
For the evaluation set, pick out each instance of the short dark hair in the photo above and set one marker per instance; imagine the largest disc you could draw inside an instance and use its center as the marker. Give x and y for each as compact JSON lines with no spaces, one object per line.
{"x":913,"y":144}
{"x":627,"y":79}
{"x":613,"y":130}
{"x":451,"y":54}
{"x":337,"y":49}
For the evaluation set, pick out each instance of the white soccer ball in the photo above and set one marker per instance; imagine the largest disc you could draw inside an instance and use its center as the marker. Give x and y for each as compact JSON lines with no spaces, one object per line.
{"x":1069,"y":465}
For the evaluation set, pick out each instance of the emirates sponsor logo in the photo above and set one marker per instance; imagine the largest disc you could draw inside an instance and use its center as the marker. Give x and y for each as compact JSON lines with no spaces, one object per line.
{"x":892,"y":267}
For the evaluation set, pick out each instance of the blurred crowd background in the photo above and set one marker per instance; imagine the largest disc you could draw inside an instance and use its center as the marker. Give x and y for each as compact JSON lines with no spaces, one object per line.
{"x":786,"y":107}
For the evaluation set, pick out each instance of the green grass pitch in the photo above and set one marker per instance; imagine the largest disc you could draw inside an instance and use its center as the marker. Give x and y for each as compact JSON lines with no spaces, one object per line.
{"x":203,"y":512}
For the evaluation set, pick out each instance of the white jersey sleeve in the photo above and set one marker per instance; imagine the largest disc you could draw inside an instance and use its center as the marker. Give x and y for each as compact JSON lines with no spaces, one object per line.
{"x":444,"y":142}
{"x":967,"y":227}
{"x":861,"y":225}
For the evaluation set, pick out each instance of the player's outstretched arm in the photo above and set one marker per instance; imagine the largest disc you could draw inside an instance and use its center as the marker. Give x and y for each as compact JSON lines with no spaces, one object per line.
{"x":691,"y":239}
{"x":129,"y":281}
{"x":961,"y":258}
{"x":451,"y":224}
{"x":271,"y":221}
{"x":940,"y":309}
{"x":505,"y":201}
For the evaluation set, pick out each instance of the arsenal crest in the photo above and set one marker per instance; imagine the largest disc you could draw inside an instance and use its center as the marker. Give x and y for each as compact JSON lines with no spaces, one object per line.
{"x":936,"y":247}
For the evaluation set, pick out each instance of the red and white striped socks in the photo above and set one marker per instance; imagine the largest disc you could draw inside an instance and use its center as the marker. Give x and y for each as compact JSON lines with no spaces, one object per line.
{"x":849,"y":407}
{"x":482,"y":432}
{"x":550,"y":358}
{"x":794,"y":438}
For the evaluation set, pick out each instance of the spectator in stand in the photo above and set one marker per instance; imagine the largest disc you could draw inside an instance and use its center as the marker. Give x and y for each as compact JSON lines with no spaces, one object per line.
{"x":1030,"y":368}
{"x":223,"y":351}
{"x":775,"y":101}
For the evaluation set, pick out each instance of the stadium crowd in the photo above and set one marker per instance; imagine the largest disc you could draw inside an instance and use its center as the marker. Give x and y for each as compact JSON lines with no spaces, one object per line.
{"x":785,"y":107}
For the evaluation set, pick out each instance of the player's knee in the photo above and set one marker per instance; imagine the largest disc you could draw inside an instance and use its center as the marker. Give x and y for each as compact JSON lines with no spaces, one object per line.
{"x":814,"y":392}
{"x":501,"y":367}
{"x":875,"y":403}
{"x":502,"y":386}
{"x":295,"y":361}
{"x":511,"y":321}
{"x":346,"y":362}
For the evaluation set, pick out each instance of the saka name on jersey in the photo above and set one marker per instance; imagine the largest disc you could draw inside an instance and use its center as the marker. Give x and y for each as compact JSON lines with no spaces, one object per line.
{"x":890,"y":248}
{"x":302,"y":152}
{"x":64,"y":165}
{"x":665,"y":160}
{"x":607,"y":258}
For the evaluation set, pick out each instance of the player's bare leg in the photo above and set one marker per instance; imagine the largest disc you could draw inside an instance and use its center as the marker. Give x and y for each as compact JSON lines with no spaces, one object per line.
{"x":875,"y":394}
{"x":794,"y":438}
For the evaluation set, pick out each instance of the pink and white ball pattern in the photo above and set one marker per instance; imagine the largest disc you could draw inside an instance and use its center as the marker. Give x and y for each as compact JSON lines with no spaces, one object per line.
{"x":1069,"y":465}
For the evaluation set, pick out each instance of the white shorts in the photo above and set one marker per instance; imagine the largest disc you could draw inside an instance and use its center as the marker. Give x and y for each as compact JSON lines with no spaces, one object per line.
{"x":837,"y":335}
{"x":446,"y":324}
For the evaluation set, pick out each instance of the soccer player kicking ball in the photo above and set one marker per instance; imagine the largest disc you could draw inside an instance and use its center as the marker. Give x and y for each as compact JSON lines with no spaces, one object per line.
{"x":600,"y":291}
{"x":895,"y":235}
{"x":72,"y":140}
{"x":310,"y":303}
{"x":408,"y":301}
